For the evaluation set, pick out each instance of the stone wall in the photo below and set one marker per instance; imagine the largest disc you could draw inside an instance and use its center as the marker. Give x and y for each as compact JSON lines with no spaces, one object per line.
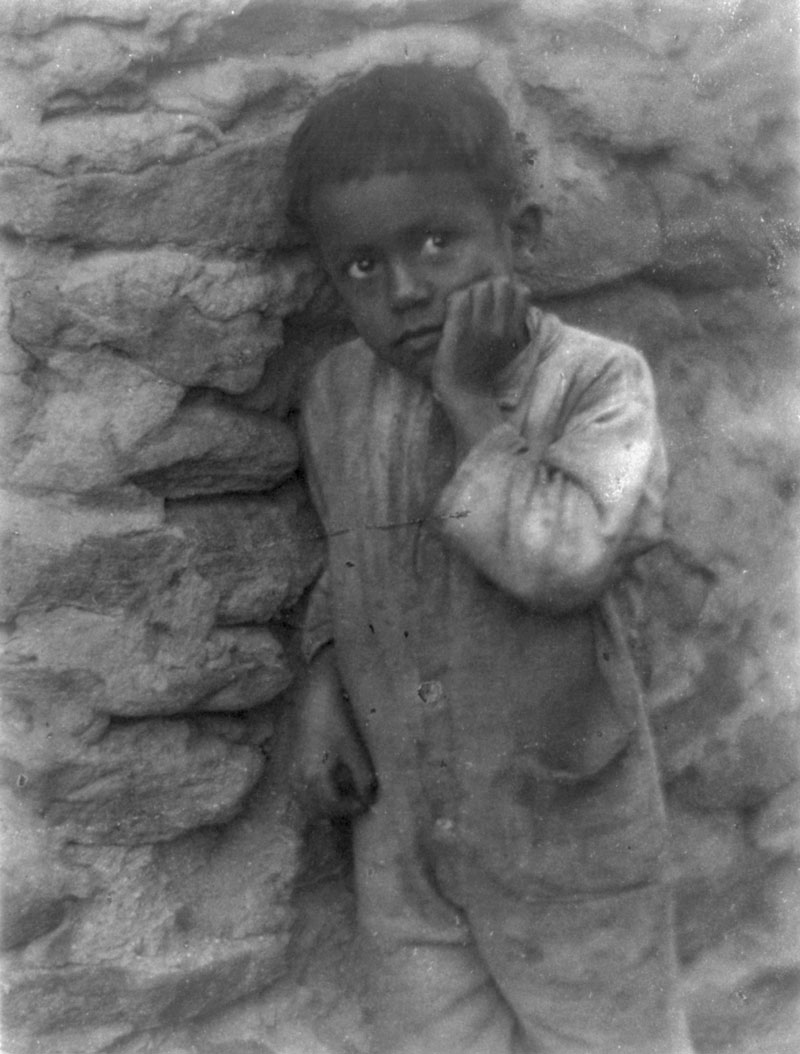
{"x":157,"y":537}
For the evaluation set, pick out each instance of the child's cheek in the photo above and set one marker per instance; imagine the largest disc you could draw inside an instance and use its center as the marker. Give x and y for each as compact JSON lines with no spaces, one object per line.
{"x":354,"y":307}
{"x":368,"y":327}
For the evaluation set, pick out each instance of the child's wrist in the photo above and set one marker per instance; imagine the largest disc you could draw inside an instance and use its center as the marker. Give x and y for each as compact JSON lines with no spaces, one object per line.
{"x":472,"y":415}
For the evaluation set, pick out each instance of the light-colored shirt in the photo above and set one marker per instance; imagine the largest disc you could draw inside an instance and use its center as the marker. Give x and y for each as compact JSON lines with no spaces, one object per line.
{"x":470,"y":604}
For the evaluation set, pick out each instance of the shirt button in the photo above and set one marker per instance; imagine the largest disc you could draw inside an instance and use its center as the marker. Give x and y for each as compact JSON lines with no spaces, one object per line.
{"x":431,"y":692}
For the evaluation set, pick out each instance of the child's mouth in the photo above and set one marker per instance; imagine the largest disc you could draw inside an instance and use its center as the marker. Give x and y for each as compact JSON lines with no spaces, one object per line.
{"x":419,"y":340}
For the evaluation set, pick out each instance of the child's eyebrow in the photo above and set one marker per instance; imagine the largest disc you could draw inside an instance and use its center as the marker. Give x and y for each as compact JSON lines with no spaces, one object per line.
{"x":352,"y":252}
{"x":435,"y":223}
{"x":419,"y":228}
{"x":405,"y":233}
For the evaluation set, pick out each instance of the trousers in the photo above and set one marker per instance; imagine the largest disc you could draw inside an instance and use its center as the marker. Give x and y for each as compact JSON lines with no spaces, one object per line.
{"x":463,"y":958}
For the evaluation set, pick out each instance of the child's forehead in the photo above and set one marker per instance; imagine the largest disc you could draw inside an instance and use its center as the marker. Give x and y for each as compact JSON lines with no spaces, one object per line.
{"x":386,"y":204}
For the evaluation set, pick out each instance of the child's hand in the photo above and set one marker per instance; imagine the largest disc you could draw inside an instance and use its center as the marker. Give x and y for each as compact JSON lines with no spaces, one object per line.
{"x":331,"y":770}
{"x":484,"y":330}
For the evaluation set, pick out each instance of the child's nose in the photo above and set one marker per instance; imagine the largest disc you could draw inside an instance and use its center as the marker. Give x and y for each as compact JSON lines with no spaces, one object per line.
{"x":407,"y":286}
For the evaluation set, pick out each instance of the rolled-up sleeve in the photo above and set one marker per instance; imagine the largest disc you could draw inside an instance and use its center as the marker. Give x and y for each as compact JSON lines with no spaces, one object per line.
{"x":549,"y":520}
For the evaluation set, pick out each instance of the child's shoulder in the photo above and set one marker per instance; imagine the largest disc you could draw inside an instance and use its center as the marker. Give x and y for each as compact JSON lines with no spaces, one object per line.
{"x":574,"y":351}
{"x":582,"y":345}
{"x":340,"y":374}
{"x":573,"y":357}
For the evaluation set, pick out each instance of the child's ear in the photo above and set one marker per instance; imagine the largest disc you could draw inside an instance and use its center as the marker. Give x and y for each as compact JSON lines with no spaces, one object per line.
{"x":526,"y":230}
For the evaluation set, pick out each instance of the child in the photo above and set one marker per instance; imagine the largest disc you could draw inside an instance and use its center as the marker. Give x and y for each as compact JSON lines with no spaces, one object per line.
{"x":483,"y":473}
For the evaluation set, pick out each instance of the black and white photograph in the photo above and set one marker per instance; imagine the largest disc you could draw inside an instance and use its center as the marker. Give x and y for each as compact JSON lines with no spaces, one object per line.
{"x":400,"y":526}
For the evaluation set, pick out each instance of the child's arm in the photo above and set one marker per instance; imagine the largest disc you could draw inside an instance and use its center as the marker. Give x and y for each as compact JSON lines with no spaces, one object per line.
{"x":484,"y":330}
{"x":549,"y":522}
{"x":331,"y":768}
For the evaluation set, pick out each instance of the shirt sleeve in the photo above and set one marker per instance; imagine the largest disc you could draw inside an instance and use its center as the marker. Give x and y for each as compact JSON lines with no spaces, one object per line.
{"x":550,"y":521}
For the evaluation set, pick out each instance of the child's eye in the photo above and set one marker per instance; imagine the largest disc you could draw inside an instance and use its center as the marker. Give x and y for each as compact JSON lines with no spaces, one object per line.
{"x":434,"y":242}
{"x":362,"y":267}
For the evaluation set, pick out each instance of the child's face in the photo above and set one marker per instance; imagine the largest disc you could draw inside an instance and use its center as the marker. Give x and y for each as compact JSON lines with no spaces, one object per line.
{"x":396,"y":245}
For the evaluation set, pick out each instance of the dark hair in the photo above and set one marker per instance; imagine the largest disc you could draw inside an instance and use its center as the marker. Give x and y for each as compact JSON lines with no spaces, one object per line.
{"x":411,"y":118}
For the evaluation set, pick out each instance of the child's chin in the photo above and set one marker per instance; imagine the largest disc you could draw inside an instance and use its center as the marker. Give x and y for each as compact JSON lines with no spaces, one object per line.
{"x":421,"y":369}
{"x":418,"y":365}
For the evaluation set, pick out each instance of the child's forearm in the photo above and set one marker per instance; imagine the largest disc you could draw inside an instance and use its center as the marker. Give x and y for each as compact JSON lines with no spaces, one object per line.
{"x":549,"y":524}
{"x":484,"y":329}
{"x":332,"y":769}
{"x":322,"y":671}
{"x":320,"y":703}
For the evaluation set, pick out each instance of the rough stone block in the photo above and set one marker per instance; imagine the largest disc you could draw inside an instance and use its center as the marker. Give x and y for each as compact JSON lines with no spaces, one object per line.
{"x":392,"y":12}
{"x":743,"y":73}
{"x":223,"y":199}
{"x":742,"y":989}
{"x":96,"y":554}
{"x":715,"y":872}
{"x":82,"y":429}
{"x":776,"y":828}
{"x":13,"y":359}
{"x":184,"y":16}
{"x":261,"y":670}
{"x":143,"y":782}
{"x":744,"y":993}
{"x":210,"y":448}
{"x":142,"y":992}
{"x":163,"y":660}
{"x":689,"y":81}
{"x":670,"y":590}
{"x":193,"y":323}
{"x":598,"y":226}
{"x":728,"y":431}
{"x":276,"y":284}
{"x":174,"y":931}
{"x":648,"y":317}
{"x":278,"y":75}
{"x":18,"y":405}
{"x":744,"y":766}
{"x":781,"y":912}
{"x":81,"y":60}
{"x":220,"y":90}
{"x":81,"y":144}
{"x":712,"y":239}
{"x":84,"y":437}
{"x":37,"y":889}
{"x":571,"y":65}
{"x":309,"y":28}
{"x":259,"y":553}
{"x":66,"y":185}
